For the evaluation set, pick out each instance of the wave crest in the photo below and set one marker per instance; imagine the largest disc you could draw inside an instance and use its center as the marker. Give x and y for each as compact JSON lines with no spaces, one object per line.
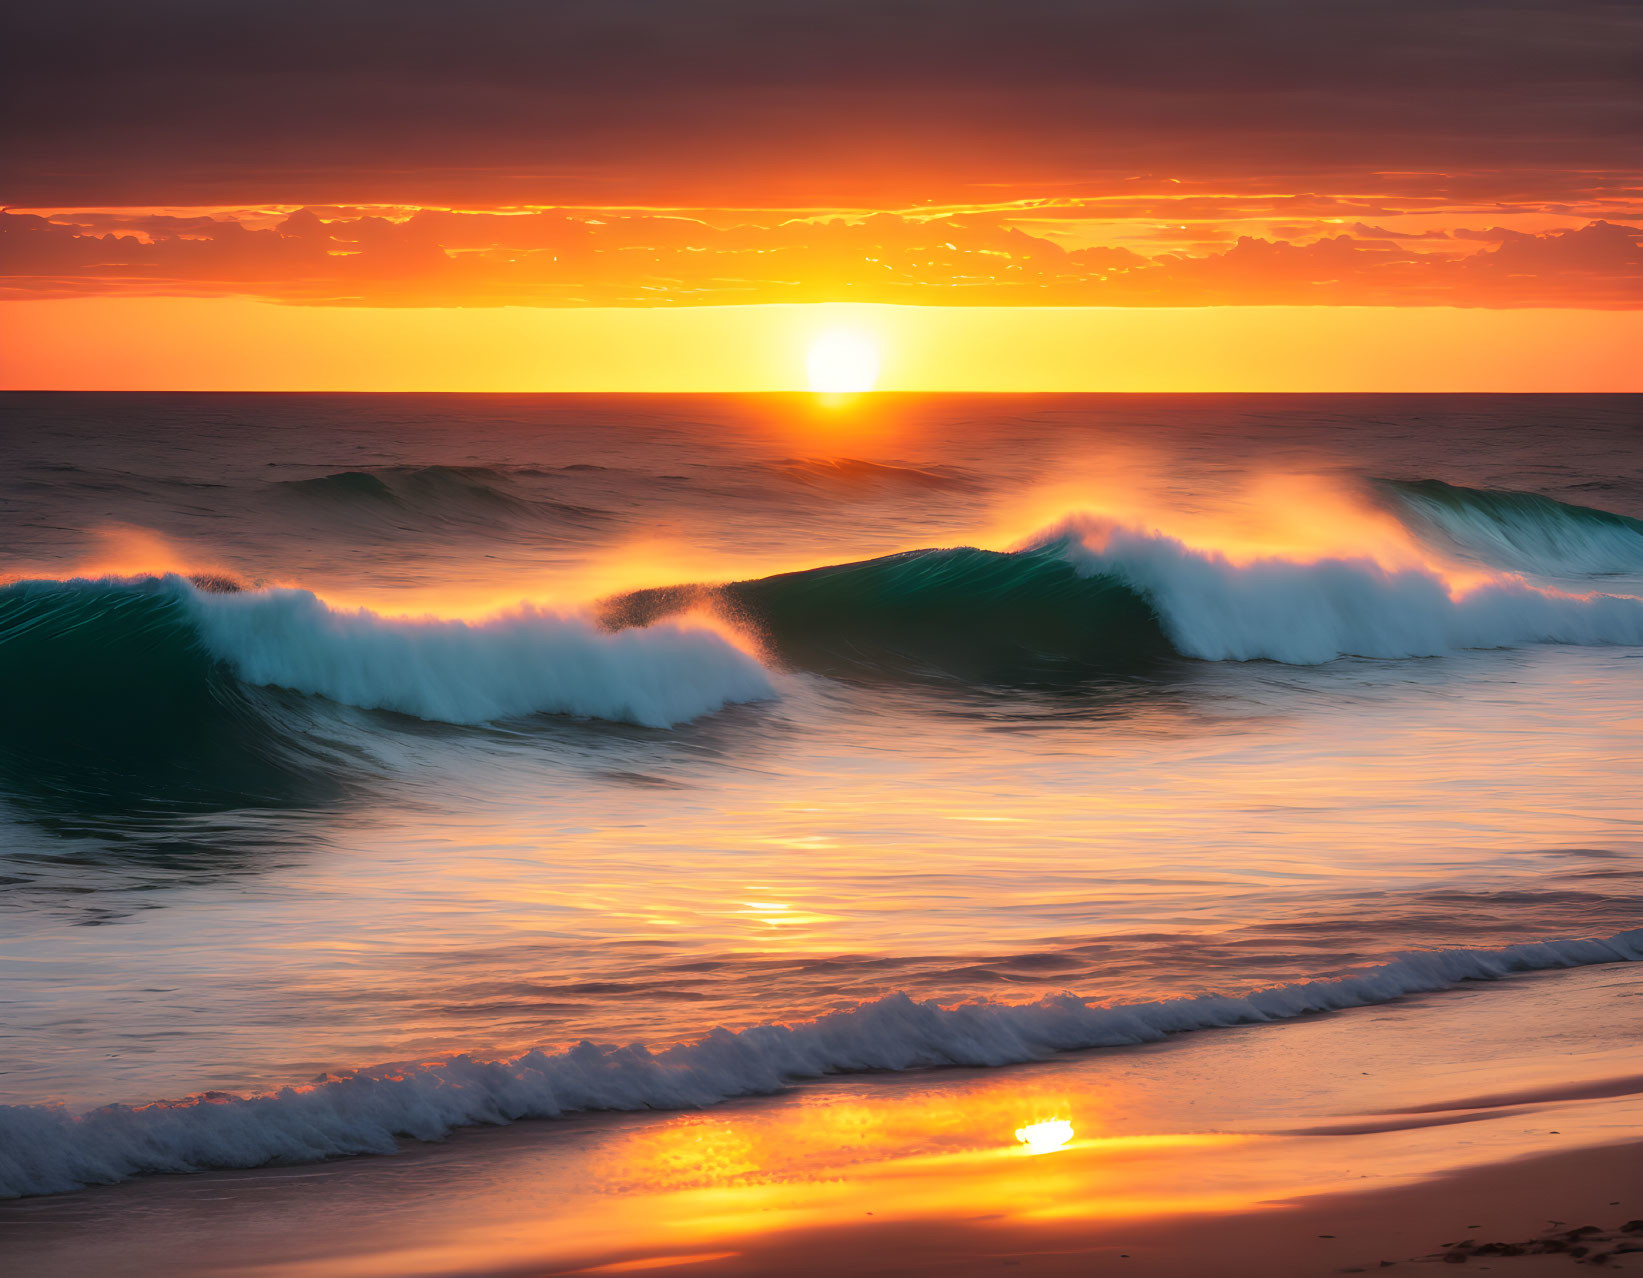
{"x":113,"y":643}
{"x":45,"y":1149}
{"x":1521,"y":531}
{"x":525,"y":661}
{"x":1305,"y":612}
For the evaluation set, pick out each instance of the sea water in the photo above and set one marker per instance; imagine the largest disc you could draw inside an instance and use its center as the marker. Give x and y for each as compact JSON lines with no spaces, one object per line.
{"x":375,"y":765}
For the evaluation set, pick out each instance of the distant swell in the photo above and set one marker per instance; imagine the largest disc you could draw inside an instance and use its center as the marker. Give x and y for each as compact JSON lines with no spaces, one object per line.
{"x":1521,"y":531}
{"x":414,"y":500}
{"x":425,"y":487}
{"x":45,"y":1149}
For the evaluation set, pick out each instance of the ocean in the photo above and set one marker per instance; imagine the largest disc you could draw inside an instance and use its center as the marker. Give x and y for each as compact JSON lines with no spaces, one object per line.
{"x":376,"y":765}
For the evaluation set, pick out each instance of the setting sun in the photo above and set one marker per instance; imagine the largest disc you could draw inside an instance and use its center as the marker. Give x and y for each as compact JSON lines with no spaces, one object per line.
{"x":842,"y":363}
{"x":805,"y":599}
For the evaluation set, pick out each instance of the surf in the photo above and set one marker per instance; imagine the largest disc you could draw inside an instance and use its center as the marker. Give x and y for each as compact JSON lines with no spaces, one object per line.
{"x":1524,"y":532}
{"x":526,"y":660}
{"x":46,"y":1149}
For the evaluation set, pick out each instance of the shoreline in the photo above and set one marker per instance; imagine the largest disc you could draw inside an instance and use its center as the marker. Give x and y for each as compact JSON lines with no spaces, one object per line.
{"x":1310,"y":1147}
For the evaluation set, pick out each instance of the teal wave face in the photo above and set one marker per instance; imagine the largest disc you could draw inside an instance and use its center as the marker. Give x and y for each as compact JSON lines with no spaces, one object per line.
{"x":975,"y":615}
{"x":1524,"y":532}
{"x":112,"y":701}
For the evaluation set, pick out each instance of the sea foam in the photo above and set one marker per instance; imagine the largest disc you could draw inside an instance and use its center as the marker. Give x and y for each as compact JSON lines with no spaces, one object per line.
{"x":46,"y":1149}
{"x":520,"y":662}
{"x":1304,"y":612}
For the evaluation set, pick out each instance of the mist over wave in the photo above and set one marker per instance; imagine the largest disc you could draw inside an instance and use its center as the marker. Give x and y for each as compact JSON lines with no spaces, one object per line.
{"x":45,"y":1149}
{"x":1511,"y":530}
{"x":1092,"y":595}
{"x":184,"y":691}
{"x":1085,"y":596}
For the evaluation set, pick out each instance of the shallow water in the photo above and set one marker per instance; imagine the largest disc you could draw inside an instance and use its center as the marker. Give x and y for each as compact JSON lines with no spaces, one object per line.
{"x":1234,"y":692}
{"x":1238,"y":1124}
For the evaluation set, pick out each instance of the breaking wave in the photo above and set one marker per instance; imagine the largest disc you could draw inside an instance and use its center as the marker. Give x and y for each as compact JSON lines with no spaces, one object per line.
{"x":60,"y":636}
{"x":1091,"y":595}
{"x":1305,"y":612}
{"x":46,"y":1149}
{"x":525,"y":661}
{"x":1524,"y":532}
{"x":112,"y":664}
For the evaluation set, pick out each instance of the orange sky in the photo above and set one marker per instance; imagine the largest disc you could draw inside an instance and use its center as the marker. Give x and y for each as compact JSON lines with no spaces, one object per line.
{"x":1383,"y":184}
{"x":232,"y":344}
{"x":1155,"y":244}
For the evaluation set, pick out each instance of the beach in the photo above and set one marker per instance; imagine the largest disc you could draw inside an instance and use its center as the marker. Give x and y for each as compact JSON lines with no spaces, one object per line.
{"x":1404,"y":1134}
{"x":519,"y":835}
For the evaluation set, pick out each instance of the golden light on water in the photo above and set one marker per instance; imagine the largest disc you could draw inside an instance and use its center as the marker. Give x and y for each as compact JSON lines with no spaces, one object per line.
{"x":842,"y":362}
{"x":1045,"y":1137}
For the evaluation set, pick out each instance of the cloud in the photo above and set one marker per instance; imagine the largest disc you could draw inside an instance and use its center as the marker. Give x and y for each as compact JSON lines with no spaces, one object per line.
{"x":614,"y":257}
{"x":805,"y":102}
{"x":1493,"y":235}
{"x":1366,"y":232}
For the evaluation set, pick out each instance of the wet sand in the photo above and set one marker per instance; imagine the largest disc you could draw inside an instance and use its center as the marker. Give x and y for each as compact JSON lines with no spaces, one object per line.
{"x":1411,"y":1229}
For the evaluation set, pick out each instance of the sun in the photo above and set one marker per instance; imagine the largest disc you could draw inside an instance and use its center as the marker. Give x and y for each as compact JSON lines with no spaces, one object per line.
{"x":842,"y":363}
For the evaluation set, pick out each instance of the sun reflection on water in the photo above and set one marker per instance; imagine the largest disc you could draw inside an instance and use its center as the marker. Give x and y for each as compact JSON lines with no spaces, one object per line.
{"x":1045,"y":1137}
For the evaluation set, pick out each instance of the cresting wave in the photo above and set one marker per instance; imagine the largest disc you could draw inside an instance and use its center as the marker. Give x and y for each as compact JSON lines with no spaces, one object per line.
{"x":1305,"y":612}
{"x":1524,"y":532}
{"x":528,"y":660}
{"x":1089,"y":594}
{"x":45,"y":1149}
{"x":523,"y":661}
{"x":1086,"y":596}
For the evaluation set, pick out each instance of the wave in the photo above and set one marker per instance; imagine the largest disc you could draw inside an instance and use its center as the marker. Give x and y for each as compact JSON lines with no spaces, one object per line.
{"x":978,"y":615}
{"x":1521,"y":531}
{"x":1088,"y":595}
{"x":407,"y":485}
{"x":46,"y":1149}
{"x":1306,"y":612}
{"x":112,"y":702}
{"x":527,"y":661}
{"x":854,"y":473}
{"x":112,"y":667}
{"x":411,"y":498}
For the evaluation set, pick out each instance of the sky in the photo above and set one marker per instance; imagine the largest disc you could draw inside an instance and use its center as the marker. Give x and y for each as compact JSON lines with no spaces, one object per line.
{"x":213,"y":176}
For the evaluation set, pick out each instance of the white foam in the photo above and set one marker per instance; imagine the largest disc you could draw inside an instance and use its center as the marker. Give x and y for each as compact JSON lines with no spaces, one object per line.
{"x":1304,"y":612}
{"x":520,"y":662}
{"x":48,"y":1150}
